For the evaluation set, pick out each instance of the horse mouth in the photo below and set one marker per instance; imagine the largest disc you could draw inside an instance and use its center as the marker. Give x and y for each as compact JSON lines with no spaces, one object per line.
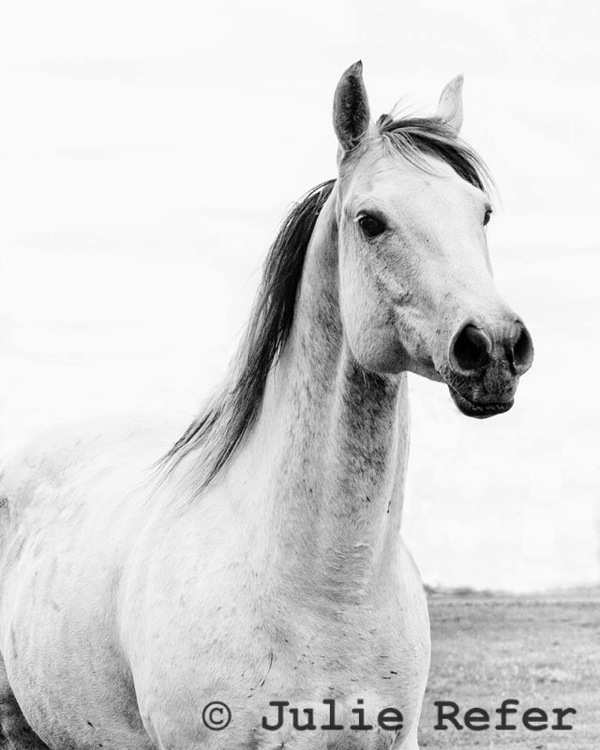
{"x":481,"y":410}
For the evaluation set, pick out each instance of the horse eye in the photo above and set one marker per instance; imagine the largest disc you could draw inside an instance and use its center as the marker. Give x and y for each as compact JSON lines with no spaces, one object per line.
{"x":487,"y":217}
{"x":370,"y":226}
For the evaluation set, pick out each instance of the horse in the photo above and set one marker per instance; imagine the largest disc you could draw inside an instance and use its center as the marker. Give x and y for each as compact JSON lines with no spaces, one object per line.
{"x":247,"y":585}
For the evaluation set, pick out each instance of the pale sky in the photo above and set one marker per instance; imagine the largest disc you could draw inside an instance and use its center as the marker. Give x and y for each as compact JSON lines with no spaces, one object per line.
{"x":148,"y":151}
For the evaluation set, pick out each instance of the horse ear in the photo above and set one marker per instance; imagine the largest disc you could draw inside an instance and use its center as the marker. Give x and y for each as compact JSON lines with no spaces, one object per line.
{"x":351,"y":108}
{"x":450,"y":108}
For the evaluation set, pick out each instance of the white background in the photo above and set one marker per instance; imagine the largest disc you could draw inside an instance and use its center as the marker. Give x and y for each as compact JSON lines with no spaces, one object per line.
{"x":149,"y":150}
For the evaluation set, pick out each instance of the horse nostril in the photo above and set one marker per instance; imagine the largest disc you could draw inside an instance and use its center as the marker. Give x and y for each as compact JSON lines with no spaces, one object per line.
{"x":471,"y":350}
{"x":520,"y":348}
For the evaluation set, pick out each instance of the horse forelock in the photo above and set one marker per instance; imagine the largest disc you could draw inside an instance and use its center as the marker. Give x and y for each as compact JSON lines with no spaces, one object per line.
{"x":416,"y":138}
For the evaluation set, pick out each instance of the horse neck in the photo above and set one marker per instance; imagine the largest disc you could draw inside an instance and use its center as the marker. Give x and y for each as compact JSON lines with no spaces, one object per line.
{"x":331,"y":441}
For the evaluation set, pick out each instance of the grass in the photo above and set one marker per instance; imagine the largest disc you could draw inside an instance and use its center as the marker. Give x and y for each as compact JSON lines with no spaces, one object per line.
{"x":542,"y":650}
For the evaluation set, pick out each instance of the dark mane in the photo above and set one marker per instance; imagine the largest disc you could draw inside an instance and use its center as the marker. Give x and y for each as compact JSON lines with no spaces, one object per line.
{"x":221,"y":425}
{"x":415,"y":137}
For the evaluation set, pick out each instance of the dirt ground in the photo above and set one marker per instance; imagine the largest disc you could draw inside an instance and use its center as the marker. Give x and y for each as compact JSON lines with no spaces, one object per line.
{"x":541,"y":650}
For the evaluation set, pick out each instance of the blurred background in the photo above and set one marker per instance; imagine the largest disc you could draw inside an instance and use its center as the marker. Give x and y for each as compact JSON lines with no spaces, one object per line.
{"x":148,"y":151}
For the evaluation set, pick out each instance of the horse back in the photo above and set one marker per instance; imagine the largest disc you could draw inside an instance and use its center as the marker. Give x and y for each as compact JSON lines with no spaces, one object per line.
{"x":65,"y":459}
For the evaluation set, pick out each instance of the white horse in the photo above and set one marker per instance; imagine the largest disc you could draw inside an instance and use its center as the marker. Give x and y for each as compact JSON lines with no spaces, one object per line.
{"x":264,"y":563}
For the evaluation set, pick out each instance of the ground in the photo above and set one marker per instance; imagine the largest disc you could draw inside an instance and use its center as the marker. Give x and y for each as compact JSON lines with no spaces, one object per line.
{"x":542,"y":650}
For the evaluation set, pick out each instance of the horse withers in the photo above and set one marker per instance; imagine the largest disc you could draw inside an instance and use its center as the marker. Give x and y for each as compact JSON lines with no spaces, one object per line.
{"x":147,"y":602}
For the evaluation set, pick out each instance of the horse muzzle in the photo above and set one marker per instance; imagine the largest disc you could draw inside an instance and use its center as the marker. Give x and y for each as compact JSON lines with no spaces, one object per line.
{"x":484,"y":365}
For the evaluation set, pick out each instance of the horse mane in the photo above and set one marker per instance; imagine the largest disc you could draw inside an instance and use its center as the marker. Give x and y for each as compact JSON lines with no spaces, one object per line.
{"x":219,"y":428}
{"x":226,"y":418}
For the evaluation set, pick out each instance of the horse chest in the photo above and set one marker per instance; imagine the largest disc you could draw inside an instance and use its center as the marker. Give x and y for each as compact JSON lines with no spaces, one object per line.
{"x":278,"y":676}
{"x":217,"y":631}
{"x":283,"y":698}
